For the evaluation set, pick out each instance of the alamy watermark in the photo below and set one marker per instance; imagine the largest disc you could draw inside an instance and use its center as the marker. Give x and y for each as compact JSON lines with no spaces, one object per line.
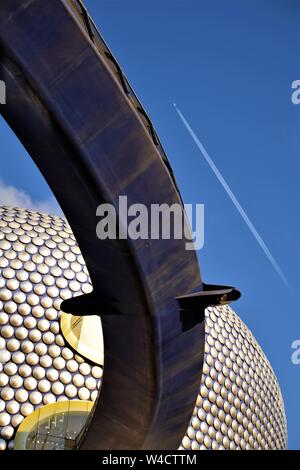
{"x":2,"y":92}
{"x":296,"y":352}
{"x":295,"y":96}
{"x":159,"y":222}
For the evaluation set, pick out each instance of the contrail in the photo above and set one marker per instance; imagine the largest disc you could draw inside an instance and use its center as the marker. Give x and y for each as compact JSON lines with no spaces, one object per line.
{"x":233,"y":198}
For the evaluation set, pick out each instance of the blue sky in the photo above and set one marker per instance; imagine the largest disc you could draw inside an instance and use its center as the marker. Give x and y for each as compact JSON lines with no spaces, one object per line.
{"x":229,"y":65}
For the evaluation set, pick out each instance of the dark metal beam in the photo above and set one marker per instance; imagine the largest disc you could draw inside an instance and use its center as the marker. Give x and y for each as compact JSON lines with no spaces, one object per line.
{"x":86,"y":135}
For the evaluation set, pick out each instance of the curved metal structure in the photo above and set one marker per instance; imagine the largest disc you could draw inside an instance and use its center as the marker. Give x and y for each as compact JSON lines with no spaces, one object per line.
{"x":74,"y":112}
{"x":239,"y":403}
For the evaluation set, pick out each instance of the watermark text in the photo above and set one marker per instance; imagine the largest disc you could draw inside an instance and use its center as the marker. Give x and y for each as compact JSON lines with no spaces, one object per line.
{"x":157,"y":222}
{"x":2,"y":92}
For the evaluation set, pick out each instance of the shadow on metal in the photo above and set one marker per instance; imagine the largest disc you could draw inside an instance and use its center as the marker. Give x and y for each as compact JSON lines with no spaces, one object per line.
{"x":92,"y":144}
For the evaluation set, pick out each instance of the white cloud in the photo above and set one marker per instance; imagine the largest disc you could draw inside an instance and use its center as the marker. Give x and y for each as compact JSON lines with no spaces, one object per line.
{"x":12,"y":196}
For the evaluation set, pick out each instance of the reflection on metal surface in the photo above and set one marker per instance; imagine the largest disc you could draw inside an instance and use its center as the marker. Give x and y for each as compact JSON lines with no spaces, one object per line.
{"x":57,"y":426}
{"x":84,"y":335}
{"x":239,"y":405}
{"x":40,"y":265}
{"x":81,"y":125}
{"x":103,"y":49}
